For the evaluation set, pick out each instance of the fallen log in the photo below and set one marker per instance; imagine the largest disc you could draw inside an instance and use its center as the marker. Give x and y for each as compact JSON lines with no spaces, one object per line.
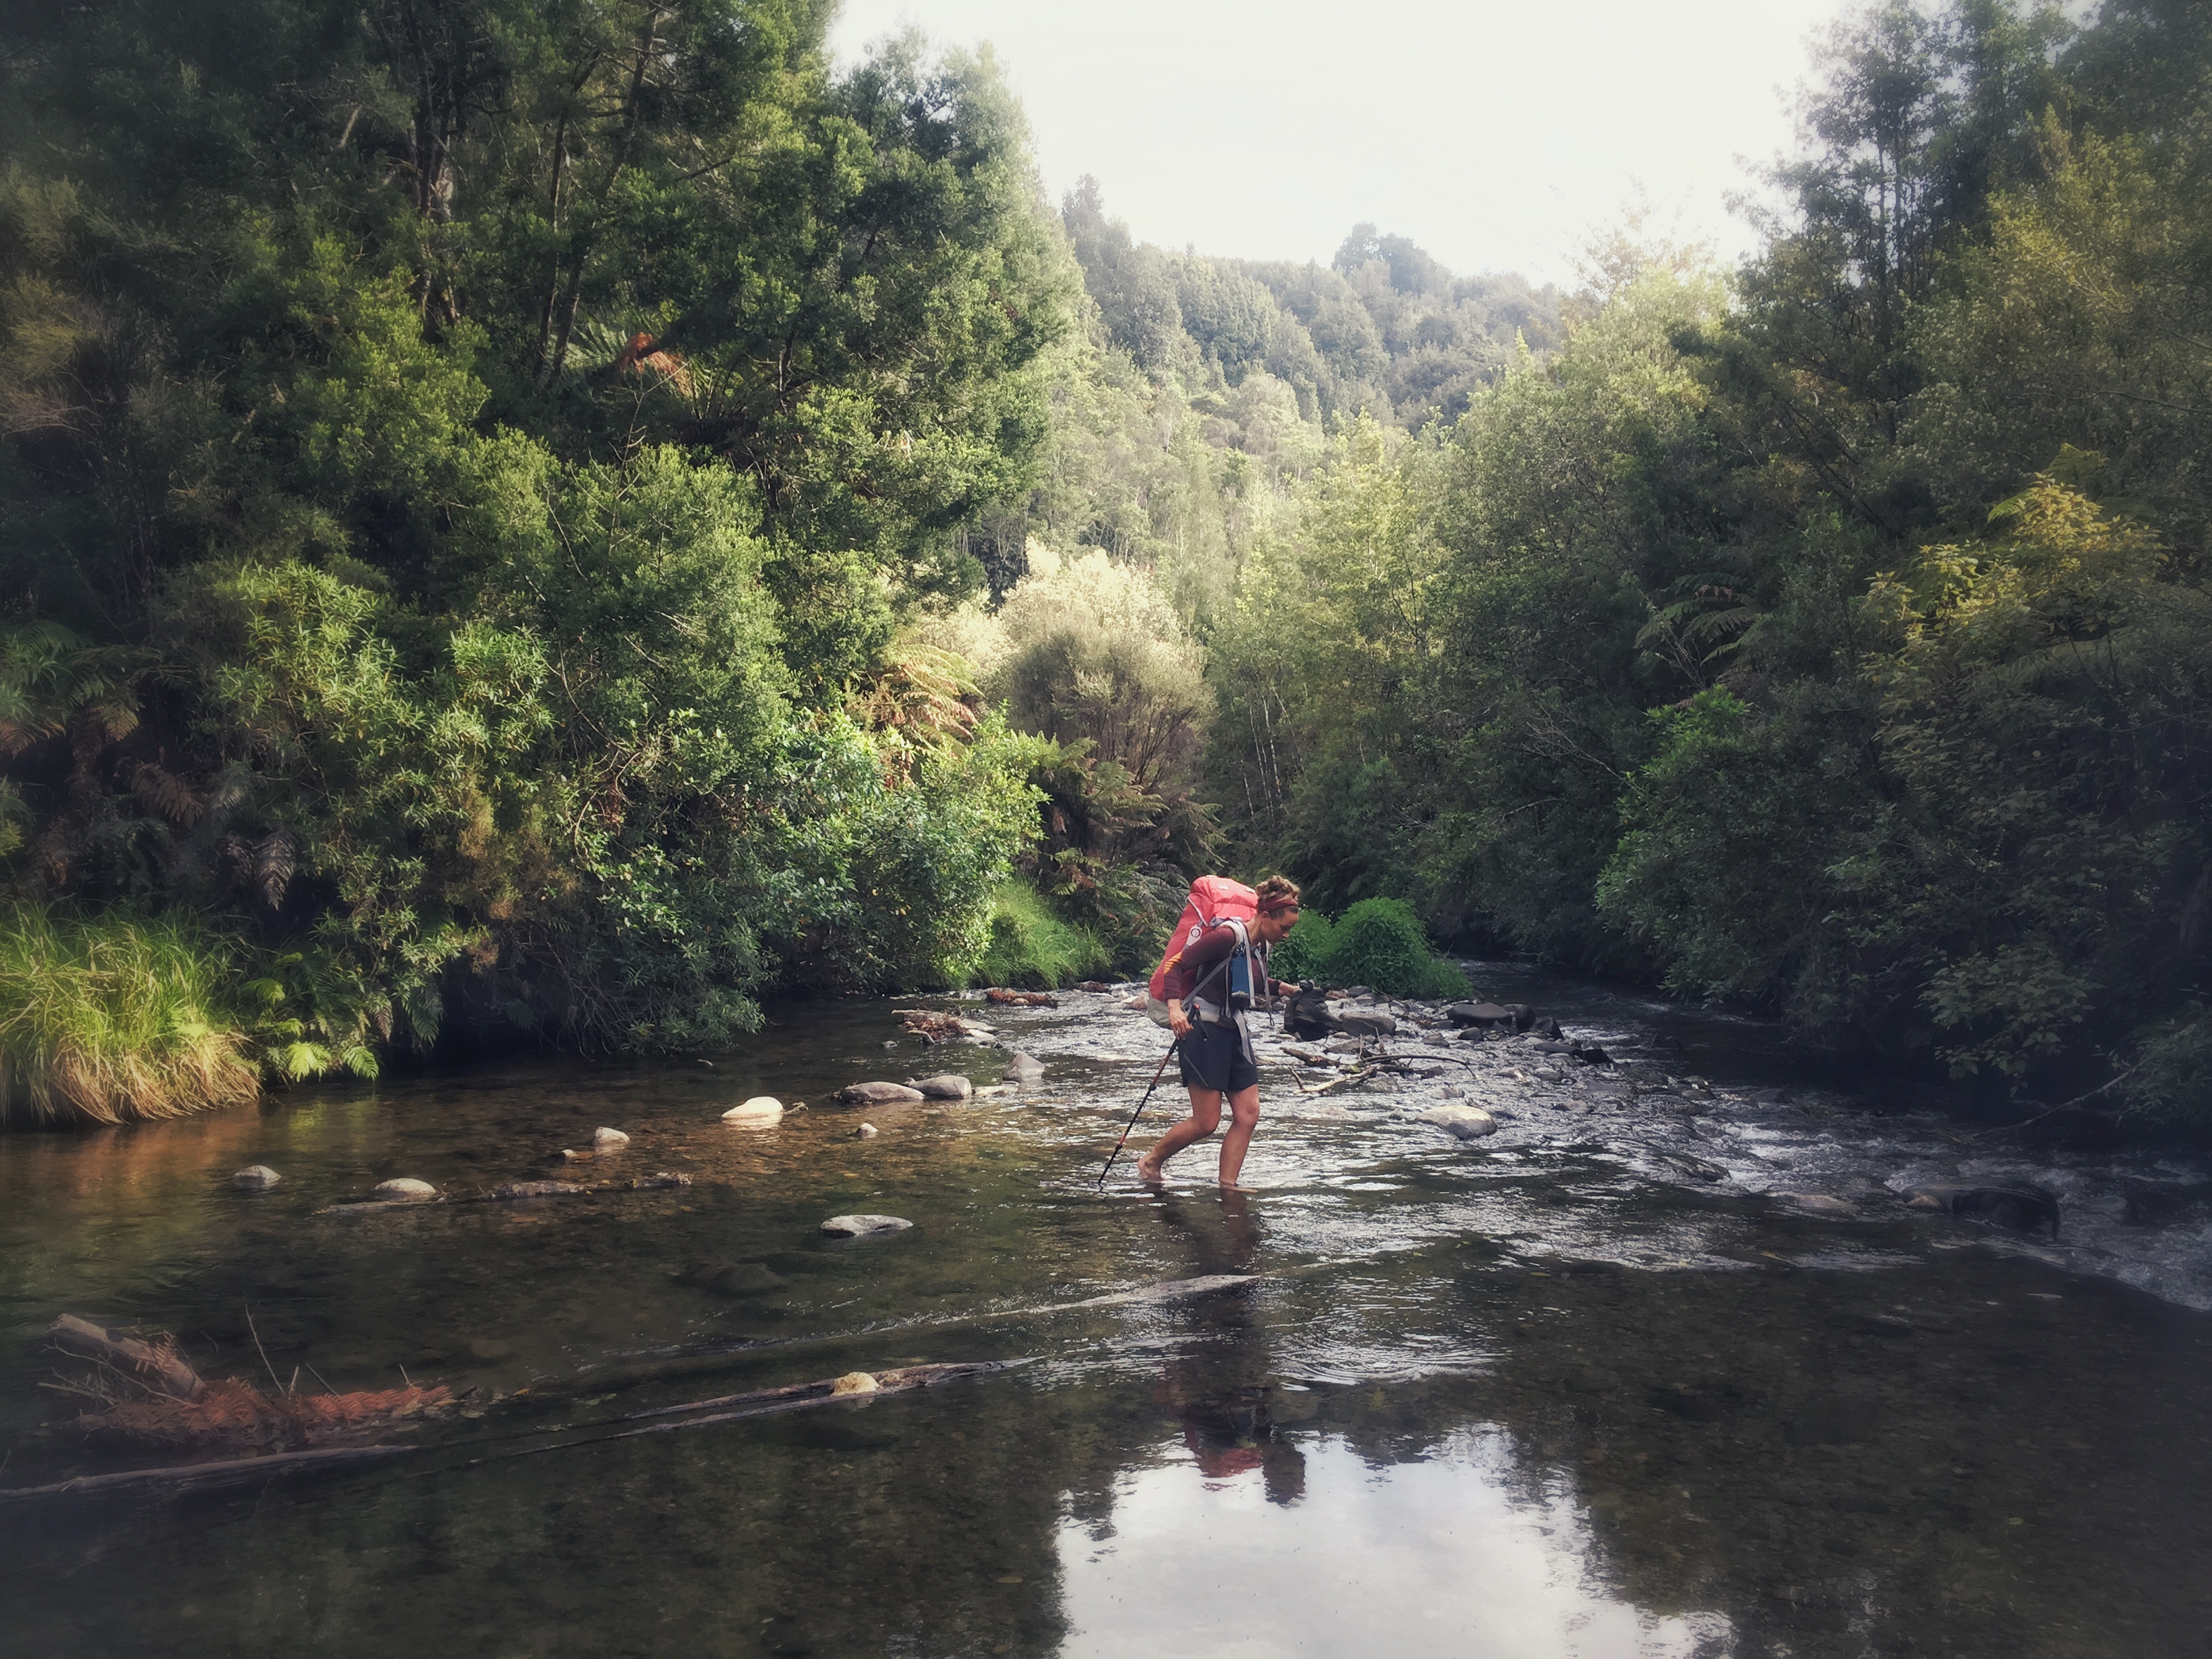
{"x":852,"y":1385}
{"x":234,"y":1414}
{"x":197,"y":1474}
{"x":691,"y":1414}
{"x":156,"y":1365}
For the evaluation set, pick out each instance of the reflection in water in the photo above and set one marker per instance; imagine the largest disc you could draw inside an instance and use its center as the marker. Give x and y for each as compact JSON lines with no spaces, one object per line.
{"x":1446,"y":1556}
{"x":1221,"y":1385}
{"x":1512,"y":1399}
{"x":1441,"y":1557}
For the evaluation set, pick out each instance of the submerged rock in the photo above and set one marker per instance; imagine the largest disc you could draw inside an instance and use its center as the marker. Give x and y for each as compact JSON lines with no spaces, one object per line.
{"x":866,"y":1132}
{"x":1024,"y":1068}
{"x":1467,"y":1122}
{"x":608,"y":1140}
{"x":1683,"y":1163}
{"x":404,"y":1189}
{"x":1826,"y":1204}
{"x":949,"y":1086}
{"x":739,"y":1279}
{"x":865,"y":1226}
{"x":760,"y":1111}
{"x":879,"y":1094}
{"x":255,"y":1178}
{"x":2023,"y":1208}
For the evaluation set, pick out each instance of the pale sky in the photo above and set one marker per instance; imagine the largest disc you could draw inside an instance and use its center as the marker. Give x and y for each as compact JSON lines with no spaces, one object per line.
{"x":1496,"y":136}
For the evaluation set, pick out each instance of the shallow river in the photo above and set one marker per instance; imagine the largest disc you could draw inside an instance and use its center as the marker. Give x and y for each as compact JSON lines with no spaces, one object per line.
{"x":1655,"y":1370}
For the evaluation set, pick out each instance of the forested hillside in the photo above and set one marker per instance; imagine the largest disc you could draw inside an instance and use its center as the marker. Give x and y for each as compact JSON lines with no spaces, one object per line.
{"x":546,"y":523}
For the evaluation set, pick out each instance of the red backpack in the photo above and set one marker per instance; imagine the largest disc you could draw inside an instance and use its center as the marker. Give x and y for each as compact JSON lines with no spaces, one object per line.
{"x":1213,"y":899}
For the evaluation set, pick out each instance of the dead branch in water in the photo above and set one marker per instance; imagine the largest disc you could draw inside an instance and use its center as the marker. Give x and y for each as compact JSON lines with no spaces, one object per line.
{"x":196,"y":1474}
{"x":156,"y":1366}
{"x":696,"y":1414}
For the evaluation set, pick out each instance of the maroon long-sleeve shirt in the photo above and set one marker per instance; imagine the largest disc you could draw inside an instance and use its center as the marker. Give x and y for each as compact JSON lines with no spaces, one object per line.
{"x":1213,"y":946}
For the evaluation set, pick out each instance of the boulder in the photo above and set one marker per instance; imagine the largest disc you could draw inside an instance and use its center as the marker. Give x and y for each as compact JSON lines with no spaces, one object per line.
{"x":2023,"y":1208}
{"x":1588,"y":1054}
{"x":865,"y":1226}
{"x":1024,"y":1068}
{"x":879,"y":1094}
{"x":949,"y":1086}
{"x":1545,"y":1026}
{"x":609,"y":1140}
{"x":2155,"y":1203}
{"x":255,"y":1178}
{"x":1486,"y":1014}
{"x":1306,"y":1014}
{"x":405,"y":1189}
{"x":762,"y":1111}
{"x":1359,"y":1019}
{"x":1466,"y":1122}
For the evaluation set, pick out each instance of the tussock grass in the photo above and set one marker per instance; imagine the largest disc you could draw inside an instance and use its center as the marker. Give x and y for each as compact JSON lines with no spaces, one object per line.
{"x":114,"y":1017}
{"x":1032,"y":946}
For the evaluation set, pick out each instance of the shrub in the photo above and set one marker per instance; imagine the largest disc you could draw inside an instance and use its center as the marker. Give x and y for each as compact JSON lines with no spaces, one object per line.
{"x":1380,"y":942}
{"x":112,"y":1017}
{"x":1030,"y":946}
{"x":1303,"y":954}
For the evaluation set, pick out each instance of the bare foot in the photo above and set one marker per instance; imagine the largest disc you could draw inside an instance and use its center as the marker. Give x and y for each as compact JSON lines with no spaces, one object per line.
{"x":1150,"y":1172}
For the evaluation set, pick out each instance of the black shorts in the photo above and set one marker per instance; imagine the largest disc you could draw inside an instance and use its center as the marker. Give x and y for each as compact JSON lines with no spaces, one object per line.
{"x":1212,"y":1057}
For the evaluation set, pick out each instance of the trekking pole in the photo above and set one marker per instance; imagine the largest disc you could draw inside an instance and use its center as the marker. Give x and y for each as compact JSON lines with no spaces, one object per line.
{"x":1138,"y":1113}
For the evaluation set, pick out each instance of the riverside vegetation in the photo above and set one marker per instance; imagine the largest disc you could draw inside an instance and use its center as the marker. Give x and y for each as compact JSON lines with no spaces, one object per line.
{"x":556,"y":521}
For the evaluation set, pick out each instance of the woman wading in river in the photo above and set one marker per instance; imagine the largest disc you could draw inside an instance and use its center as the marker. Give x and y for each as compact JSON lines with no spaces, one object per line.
{"x":1215,"y":1046}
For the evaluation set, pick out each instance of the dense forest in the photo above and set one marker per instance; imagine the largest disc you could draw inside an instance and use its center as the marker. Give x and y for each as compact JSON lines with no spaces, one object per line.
{"x":550,"y":523}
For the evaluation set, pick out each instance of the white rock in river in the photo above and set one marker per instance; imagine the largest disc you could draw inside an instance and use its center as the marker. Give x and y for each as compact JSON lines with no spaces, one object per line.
{"x":1024,"y":1068}
{"x":949,"y":1086}
{"x":865,"y":1226}
{"x":1467,"y":1122}
{"x":761,"y":1111}
{"x":866,"y":1132}
{"x":608,"y":1140}
{"x":406,"y":1189}
{"x":255,"y":1178}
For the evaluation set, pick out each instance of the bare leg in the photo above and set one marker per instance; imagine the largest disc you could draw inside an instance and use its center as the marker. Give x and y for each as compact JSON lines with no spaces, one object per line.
{"x":1243,"y":1118}
{"x":1205,"y":1117}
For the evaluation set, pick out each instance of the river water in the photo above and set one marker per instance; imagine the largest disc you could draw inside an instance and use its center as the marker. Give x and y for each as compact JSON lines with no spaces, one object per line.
{"x":1653,"y":1370}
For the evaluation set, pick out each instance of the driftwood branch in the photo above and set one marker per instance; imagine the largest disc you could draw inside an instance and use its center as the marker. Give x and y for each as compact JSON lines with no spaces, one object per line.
{"x":696,"y":1414}
{"x":193,"y":1474}
{"x":157,"y":1366}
